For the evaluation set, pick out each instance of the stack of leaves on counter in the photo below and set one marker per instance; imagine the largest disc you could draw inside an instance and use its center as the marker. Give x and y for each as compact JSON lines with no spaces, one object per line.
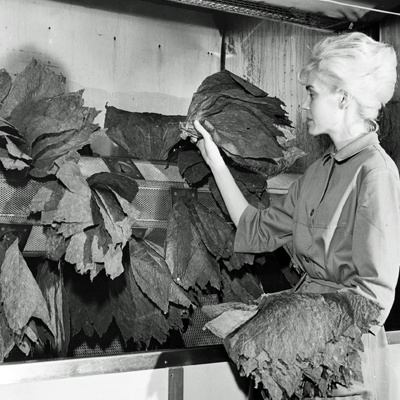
{"x":40,"y":122}
{"x":296,"y":345}
{"x":145,"y":136}
{"x":22,"y":304}
{"x":250,"y":127}
{"x":88,"y":222}
{"x":199,"y":253}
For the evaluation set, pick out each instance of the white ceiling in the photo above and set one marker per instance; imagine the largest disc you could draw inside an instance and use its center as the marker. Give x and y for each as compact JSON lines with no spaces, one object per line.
{"x":340,"y":13}
{"x":351,"y":10}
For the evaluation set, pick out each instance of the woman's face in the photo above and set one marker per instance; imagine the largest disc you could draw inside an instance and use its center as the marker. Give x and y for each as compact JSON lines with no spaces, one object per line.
{"x":322,"y":107}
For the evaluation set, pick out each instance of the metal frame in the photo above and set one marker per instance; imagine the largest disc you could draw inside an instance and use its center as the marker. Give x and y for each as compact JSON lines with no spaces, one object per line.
{"x":30,"y":371}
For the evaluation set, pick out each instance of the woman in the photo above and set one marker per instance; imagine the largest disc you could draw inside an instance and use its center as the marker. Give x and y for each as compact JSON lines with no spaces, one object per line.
{"x":343,"y":214}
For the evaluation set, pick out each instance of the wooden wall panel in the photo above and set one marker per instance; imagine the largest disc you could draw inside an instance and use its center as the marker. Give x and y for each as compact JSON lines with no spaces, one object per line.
{"x":269,"y":54}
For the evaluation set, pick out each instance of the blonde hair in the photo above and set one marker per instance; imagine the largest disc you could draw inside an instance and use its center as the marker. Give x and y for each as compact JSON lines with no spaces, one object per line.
{"x":359,"y":65}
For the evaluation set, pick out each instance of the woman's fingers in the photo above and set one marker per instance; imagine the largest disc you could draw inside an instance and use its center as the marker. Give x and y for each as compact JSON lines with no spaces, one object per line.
{"x":199,"y":128}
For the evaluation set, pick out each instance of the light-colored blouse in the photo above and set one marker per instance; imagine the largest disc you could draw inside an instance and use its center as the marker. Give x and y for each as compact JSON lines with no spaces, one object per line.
{"x":343,"y":218}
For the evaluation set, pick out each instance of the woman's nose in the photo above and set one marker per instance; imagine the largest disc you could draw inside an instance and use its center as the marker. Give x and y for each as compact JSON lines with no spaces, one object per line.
{"x":306,"y":104}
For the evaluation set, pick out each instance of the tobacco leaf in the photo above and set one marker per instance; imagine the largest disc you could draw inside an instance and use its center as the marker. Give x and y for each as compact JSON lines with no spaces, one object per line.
{"x":20,"y":296}
{"x":190,"y":263}
{"x":137,"y":317}
{"x":147,"y":136}
{"x":51,"y":282}
{"x":6,"y":337}
{"x":296,"y":337}
{"x":70,"y":175}
{"x":249,"y":116}
{"x":5,"y":84}
{"x":246,"y":123}
{"x":240,"y":285}
{"x":124,"y":185}
{"x":55,"y":245}
{"x":192,"y":166}
{"x":212,"y":227}
{"x":35,"y":82}
{"x":89,"y":303}
{"x":152,"y":275}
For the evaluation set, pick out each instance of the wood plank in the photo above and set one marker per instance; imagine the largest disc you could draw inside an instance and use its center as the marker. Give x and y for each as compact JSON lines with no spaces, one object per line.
{"x":270,"y":54}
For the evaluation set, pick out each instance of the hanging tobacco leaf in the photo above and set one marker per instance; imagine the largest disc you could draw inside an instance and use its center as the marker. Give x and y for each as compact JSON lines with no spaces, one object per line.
{"x":124,"y":185}
{"x":295,"y":338}
{"x":5,"y":84}
{"x":20,"y":296}
{"x":89,"y":303}
{"x":240,"y":285}
{"x":138,"y":318}
{"x":216,"y":233}
{"x":88,"y":225}
{"x":146,"y":136}
{"x":188,"y":260}
{"x":152,"y":275}
{"x":242,"y":119}
{"x":51,"y":282}
{"x":6,"y":337}
{"x":41,"y":122}
{"x":35,"y":82}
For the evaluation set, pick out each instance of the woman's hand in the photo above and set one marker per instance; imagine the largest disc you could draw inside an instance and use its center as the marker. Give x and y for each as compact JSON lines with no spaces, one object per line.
{"x":208,"y":149}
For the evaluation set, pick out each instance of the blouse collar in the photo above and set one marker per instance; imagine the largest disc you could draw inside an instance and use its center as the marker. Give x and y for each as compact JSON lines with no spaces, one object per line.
{"x":352,"y":148}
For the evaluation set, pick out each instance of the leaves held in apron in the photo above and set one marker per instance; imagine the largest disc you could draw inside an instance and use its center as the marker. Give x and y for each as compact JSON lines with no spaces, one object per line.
{"x":297,"y":338}
{"x":21,"y":299}
{"x":145,"y":136}
{"x":40,"y":122}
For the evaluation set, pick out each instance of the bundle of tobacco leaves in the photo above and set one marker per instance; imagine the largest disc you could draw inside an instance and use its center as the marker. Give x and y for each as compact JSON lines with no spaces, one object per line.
{"x":243,"y":121}
{"x":88,"y":222}
{"x":40,"y":122}
{"x":22,"y":305}
{"x":296,"y":345}
{"x":146,"y":136}
{"x":250,"y":127}
{"x":199,"y":252}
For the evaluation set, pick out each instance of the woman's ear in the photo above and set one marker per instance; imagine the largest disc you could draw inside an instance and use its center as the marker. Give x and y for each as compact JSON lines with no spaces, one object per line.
{"x":344,"y":99}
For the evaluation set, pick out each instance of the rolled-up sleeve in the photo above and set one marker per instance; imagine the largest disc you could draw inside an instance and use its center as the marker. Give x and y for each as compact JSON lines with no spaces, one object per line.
{"x":265,"y":230}
{"x":376,"y":239}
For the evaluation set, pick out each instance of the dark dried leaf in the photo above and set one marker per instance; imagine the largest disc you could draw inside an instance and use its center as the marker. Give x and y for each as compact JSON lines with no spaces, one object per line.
{"x":152,"y":275}
{"x":5,"y":84}
{"x":215,"y":232}
{"x":35,"y":82}
{"x":89,"y":303}
{"x":51,"y":282}
{"x":124,"y":185}
{"x":6,"y":337}
{"x":185,"y":254}
{"x":20,"y":295}
{"x":137,"y":316}
{"x":243,"y":286}
{"x":147,"y":136}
